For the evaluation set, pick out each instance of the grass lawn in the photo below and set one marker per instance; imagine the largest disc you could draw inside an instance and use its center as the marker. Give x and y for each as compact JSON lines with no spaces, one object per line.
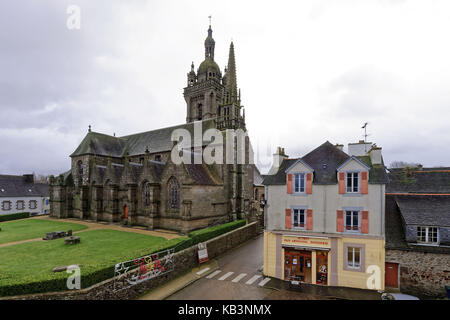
{"x":34,"y":261}
{"x":33,"y":228}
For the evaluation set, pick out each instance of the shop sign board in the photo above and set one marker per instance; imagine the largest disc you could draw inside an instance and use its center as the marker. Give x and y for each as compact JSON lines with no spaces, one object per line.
{"x":306,"y":242}
{"x":202,"y":253}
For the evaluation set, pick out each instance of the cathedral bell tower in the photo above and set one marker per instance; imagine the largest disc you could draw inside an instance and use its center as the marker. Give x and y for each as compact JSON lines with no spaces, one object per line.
{"x":208,"y":95}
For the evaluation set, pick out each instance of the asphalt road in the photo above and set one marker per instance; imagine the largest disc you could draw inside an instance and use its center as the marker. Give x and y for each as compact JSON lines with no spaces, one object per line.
{"x":238,"y":277}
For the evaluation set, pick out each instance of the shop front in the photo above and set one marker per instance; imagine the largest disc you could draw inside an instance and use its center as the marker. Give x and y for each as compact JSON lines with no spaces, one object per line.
{"x":306,"y":259}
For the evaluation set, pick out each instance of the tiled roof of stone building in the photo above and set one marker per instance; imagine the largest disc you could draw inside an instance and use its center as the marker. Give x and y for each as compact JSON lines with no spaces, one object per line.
{"x":325,"y":160}
{"x":17,"y":186}
{"x":425,"y":210}
{"x":426,"y":180}
{"x":156,"y":140}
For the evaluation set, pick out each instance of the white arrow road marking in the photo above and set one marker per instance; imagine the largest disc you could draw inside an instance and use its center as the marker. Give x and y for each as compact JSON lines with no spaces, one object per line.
{"x":202,"y":271}
{"x":226,"y":275}
{"x":212,"y":275}
{"x":264,"y":282}
{"x":239,"y":277}
{"x":253,"y":279}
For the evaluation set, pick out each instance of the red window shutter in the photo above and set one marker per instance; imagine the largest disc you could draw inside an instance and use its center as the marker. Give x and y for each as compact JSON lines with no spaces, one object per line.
{"x":364,"y":221}
{"x":341,"y":182}
{"x":340,"y":221}
{"x":309,"y":183}
{"x":288,"y":219}
{"x":289,"y":183}
{"x":309,"y":219}
{"x":364,"y":182}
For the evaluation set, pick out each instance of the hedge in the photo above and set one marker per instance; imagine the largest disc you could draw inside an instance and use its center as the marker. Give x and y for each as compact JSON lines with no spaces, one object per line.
{"x":105,"y":273}
{"x":14,"y":216}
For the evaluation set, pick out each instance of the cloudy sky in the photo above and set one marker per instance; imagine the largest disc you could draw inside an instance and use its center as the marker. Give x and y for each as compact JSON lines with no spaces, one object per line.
{"x":309,"y":71}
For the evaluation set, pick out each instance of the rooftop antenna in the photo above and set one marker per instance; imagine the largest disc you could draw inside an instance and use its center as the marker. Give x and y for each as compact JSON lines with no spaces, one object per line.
{"x":365,"y":135}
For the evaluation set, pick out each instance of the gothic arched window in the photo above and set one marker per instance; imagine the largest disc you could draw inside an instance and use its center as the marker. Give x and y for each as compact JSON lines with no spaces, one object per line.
{"x":146,"y":195}
{"x":200,"y":112}
{"x":173,"y":189}
{"x":80,"y":172}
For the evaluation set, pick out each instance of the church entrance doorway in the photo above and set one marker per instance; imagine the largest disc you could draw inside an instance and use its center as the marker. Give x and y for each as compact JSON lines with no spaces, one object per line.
{"x":125,"y":212}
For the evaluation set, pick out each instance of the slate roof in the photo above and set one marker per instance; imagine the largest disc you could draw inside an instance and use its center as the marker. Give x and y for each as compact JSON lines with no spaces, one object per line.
{"x":325,"y":154}
{"x":157,"y":141}
{"x":427,"y":180}
{"x":202,"y":175}
{"x":425,"y":210}
{"x":257,"y":177}
{"x":16,"y":186}
{"x":395,"y":233}
{"x":279,"y":178}
{"x":325,"y":160}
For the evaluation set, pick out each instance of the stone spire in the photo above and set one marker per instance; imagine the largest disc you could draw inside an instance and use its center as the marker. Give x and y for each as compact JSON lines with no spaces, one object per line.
{"x":209,"y":45}
{"x":231,"y":83}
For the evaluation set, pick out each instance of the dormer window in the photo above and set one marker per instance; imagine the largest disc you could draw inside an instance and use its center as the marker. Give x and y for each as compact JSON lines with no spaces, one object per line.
{"x":352,"y":182}
{"x":427,"y":235}
{"x":299,"y":183}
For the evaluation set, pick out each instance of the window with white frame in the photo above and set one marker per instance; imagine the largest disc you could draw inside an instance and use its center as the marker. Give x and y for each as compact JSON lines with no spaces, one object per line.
{"x":428,"y":235}
{"x":32,"y":204}
{"x":298,"y":218}
{"x":352,"y":182}
{"x":353,"y":257}
{"x":20,"y":205}
{"x":299,"y":182}
{"x":352,"y":221}
{"x":6,"y":205}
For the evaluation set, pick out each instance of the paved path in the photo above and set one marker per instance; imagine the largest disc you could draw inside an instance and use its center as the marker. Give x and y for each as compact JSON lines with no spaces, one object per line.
{"x":237,"y":276}
{"x":92,"y":225}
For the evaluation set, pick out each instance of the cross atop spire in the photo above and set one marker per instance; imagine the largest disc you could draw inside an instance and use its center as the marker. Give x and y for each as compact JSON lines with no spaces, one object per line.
{"x":210,"y":16}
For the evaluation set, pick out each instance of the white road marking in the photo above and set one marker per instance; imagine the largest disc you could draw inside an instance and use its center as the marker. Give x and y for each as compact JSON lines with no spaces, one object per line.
{"x":226,"y":275}
{"x":239,"y":277}
{"x":253,"y":279}
{"x":264,"y":282}
{"x":202,"y":271}
{"x":214,"y":274}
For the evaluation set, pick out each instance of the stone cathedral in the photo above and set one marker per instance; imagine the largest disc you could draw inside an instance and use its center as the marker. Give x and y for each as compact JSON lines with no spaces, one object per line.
{"x":132,"y":179}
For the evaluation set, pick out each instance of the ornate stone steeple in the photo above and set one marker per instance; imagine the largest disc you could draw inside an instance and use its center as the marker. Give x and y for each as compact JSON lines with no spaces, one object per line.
{"x":209,"y":45}
{"x":231,"y":83}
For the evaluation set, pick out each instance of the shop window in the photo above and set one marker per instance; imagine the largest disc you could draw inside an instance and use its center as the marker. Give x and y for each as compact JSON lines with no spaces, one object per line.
{"x":298,"y":218}
{"x":352,"y":221}
{"x":352,"y":182}
{"x":428,"y":235}
{"x":322,"y":267}
{"x":20,"y":205}
{"x":299,"y":183}
{"x":354,"y":257}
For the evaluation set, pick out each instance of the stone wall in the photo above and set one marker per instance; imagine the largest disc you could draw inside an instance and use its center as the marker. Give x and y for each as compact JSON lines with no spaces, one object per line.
{"x":184,"y":261}
{"x":421,"y":274}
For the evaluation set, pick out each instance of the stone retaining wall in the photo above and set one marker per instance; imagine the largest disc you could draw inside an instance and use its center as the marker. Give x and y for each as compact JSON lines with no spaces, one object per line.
{"x":422,"y":274}
{"x":183,"y":260}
